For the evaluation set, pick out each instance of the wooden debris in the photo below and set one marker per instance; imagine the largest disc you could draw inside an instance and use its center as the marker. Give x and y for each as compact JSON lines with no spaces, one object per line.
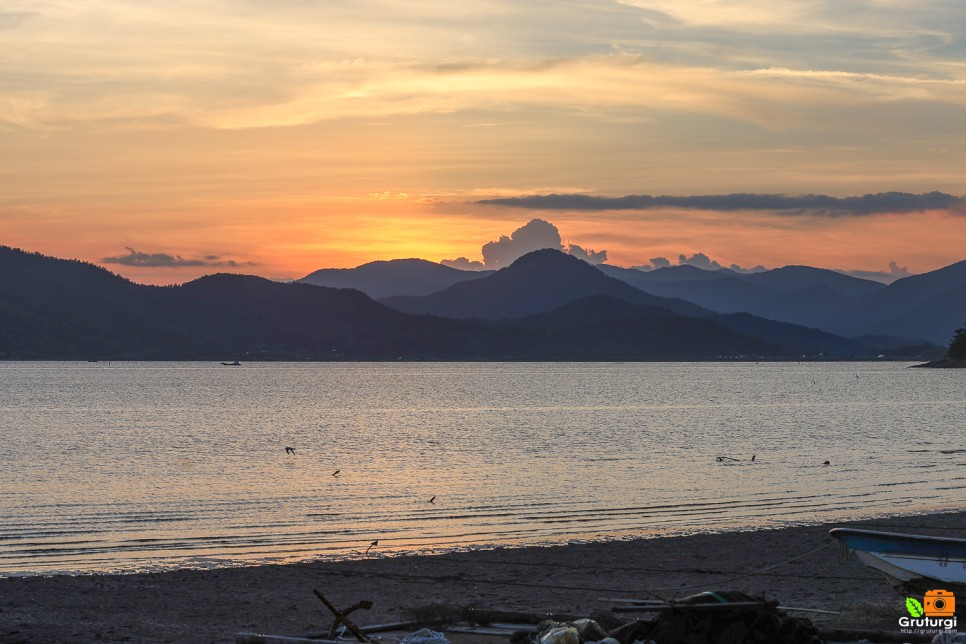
{"x":341,"y":617}
{"x":486,"y":617}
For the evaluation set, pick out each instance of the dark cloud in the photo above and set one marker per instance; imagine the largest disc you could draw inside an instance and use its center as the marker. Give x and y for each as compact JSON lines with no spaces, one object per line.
{"x":463,"y":264}
{"x":883,"y":202}
{"x":164,"y":260}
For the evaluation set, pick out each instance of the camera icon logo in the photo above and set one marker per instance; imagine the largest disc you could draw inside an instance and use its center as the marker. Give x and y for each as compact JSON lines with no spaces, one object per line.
{"x":939,"y":603}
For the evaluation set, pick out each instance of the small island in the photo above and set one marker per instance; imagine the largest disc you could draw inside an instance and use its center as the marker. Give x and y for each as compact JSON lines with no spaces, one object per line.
{"x":955,"y":356}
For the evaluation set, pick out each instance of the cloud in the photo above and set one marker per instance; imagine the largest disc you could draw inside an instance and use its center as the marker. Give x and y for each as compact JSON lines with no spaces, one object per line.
{"x":586,"y":254}
{"x":534,"y":235}
{"x":698,"y":260}
{"x":889,"y":276}
{"x":824,"y":205}
{"x":463,"y":264}
{"x":164,"y":260}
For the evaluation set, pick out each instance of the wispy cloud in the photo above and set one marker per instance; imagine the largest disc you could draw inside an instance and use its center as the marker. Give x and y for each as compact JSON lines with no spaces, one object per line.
{"x":164,"y":260}
{"x":884,"y":202}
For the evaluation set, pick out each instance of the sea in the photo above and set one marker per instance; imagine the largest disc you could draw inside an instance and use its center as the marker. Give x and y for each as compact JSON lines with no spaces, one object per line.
{"x":150,"y":466}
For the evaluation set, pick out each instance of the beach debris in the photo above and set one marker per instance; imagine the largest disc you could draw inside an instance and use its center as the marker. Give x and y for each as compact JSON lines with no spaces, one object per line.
{"x":589,"y":630}
{"x":722,"y":459}
{"x":722,"y":617}
{"x":371,"y":546}
{"x":342,"y":616}
{"x":425,"y":636}
{"x":336,"y":473}
{"x":827,"y":463}
{"x":560,"y":634}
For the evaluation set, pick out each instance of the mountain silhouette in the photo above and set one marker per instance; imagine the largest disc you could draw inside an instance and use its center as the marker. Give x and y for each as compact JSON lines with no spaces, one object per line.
{"x":539,"y":281}
{"x":393,"y":277}
{"x":682,"y":273}
{"x":602,"y":327}
{"x":55,"y":308}
{"x":790,"y":279}
{"x":63,"y":308}
{"x":930,"y":306}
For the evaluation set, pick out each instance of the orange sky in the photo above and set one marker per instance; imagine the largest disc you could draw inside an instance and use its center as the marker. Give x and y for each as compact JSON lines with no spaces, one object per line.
{"x":280,"y":138}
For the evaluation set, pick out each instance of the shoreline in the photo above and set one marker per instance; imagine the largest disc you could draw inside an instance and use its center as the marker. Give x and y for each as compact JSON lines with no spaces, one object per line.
{"x":212,"y":605}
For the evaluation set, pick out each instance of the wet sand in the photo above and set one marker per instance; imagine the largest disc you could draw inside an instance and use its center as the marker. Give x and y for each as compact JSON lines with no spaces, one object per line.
{"x":213,"y":605}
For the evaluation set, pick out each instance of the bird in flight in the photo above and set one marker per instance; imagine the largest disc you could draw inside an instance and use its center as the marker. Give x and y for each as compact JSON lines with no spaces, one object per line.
{"x":290,"y":450}
{"x":336,"y":473}
{"x":374,"y":543}
{"x":433,"y":500}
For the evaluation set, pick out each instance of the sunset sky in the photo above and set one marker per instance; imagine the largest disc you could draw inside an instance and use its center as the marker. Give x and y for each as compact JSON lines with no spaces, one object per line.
{"x":166,"y":140}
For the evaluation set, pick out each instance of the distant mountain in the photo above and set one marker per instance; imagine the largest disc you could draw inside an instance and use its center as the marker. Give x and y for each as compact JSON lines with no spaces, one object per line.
{"x":797,"y":278}
{"x":54,"y":308}
{"x":589,"y":310}
{"x":546,"y":306}
{"x":769,"y":335}
{"x":683,"y":273}
{"x":930,"y":306}
{"x":602,"y":327}
{"x":794,"y":338}
{"x":537,"y":282}
{"x":795,"y":294}
{"x":61,"y":308}
{"x":921,"y":308}
{"x":394,"y":277}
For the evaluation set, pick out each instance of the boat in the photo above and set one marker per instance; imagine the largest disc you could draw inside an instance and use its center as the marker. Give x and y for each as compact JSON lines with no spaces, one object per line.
{"x":231,"y":364}
{"x":911,"y":562}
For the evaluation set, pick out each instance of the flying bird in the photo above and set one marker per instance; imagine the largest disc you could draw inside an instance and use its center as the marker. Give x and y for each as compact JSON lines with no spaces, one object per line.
{"x":336,"y":473}
{"x":433,"y":500}
{"x":374,"y":543}
{"x":290,"y":450}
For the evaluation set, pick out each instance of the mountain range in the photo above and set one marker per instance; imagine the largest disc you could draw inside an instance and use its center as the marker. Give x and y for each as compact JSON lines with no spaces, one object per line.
{"x":545,"y":306}
{"x":917,"y":309}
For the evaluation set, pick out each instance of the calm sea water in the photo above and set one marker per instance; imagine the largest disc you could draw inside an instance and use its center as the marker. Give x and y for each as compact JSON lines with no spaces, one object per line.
{"x":148,"y":466}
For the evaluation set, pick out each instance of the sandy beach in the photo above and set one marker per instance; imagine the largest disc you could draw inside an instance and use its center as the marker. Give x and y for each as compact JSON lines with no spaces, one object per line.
{"x":213,"y":605}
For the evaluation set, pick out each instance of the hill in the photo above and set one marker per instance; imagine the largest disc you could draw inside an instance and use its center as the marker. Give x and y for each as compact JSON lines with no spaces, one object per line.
{"x":540,"y":281}
{"x":55,"y":308}
{"x":394,"y":277}
{"x":795,"y":294}
{"x":63,"y":308}
{"x":930,"y":306}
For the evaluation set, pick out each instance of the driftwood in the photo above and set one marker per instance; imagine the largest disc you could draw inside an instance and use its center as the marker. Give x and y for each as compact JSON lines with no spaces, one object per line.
{"x":317,"y":638}
{"x":485,"y":617}
{"x":341,"y":616}
{"x":255,"y":638}
{"x":661,"y":606}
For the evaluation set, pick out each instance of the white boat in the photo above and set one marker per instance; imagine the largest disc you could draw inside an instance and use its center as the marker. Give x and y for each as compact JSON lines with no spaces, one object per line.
{"x":911,"y":562}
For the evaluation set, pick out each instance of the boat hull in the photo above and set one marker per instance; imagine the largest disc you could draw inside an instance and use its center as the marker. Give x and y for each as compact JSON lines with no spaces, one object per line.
{"x":911,"y":563}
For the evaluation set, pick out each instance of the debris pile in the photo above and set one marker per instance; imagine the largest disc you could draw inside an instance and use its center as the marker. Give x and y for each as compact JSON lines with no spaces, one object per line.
{"x":707,"y":618}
